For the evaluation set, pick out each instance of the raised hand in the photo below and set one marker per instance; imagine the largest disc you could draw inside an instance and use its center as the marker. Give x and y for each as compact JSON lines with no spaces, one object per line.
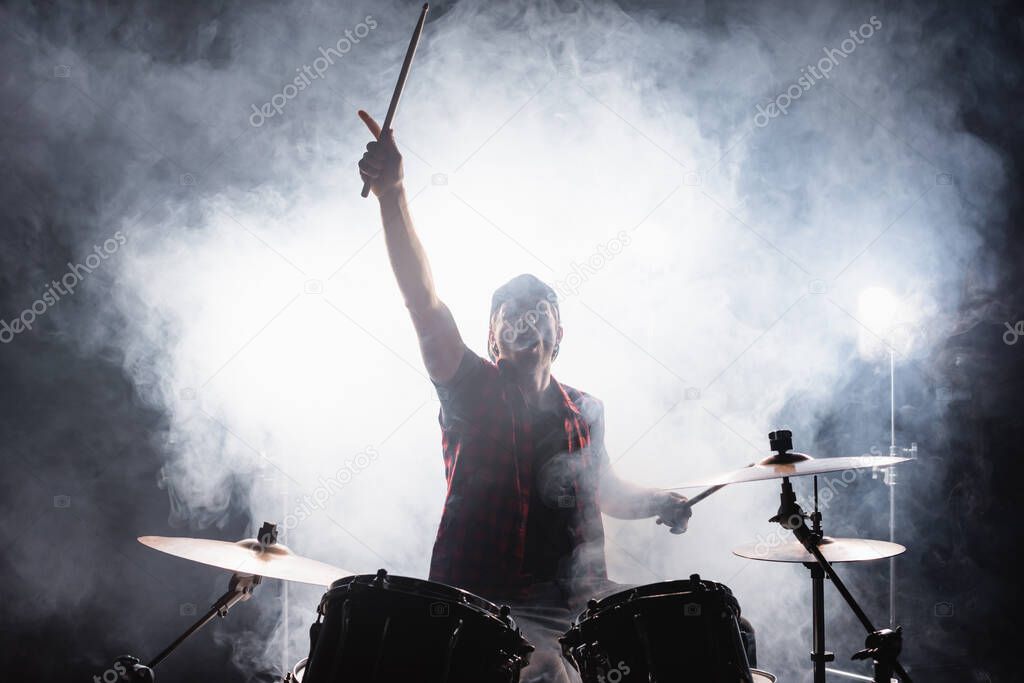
{"x":381,"y":165}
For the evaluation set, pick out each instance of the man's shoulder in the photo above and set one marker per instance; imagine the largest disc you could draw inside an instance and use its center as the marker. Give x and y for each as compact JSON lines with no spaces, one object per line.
{"x":471,"y":366}
{"x":590,"y":406}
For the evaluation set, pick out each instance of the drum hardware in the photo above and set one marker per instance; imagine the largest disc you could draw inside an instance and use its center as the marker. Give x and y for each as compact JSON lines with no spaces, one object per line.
{"x":465,"y":638}
{"x":883,"y":646}
{"x":453,"y":641}
{"x":640,"y":626}
{"x":847,"y":674}
{"x":391,"y":628}
{"x":788,"y":465}
{"x":131,"y":669}
{"x":249,"y":561}
{"x":888,"y":476}
{"x":297,"y":672}
{"x":673,"y":630}
{"x":791,"y":464}
{"x":836,"y":550}
{"x":240,"y":589}
{"x":254,"y":556}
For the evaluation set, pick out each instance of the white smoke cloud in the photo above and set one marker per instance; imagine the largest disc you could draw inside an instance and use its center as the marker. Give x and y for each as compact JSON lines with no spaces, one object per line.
{"x":262,"y":315}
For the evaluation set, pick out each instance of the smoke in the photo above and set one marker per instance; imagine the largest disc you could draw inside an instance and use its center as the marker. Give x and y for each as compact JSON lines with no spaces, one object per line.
{"x":711,"y":257}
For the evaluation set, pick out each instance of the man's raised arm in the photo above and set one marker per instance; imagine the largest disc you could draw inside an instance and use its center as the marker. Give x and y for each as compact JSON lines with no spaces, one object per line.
{"x":440,"y":341}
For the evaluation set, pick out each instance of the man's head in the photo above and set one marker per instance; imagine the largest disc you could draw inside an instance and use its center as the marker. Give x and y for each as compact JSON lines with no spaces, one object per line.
{"x":525,"y":325}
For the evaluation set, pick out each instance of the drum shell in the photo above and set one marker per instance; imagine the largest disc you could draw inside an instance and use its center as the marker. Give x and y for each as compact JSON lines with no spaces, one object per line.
{"x":402,"y":629}
{"x":680,"y":631}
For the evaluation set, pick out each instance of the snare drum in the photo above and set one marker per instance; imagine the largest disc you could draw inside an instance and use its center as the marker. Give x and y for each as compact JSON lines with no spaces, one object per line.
{"x":682,"y":631}
{"x":394,"y":629}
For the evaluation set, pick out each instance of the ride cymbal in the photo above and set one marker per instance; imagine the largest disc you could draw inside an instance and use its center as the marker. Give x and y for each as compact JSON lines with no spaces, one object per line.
{"x":791,"y":465}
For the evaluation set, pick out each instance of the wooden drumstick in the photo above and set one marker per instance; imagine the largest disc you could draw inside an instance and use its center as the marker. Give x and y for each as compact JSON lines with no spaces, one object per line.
{"x":708,"y":491}
{"x":704,"y":494}
{"x":400,"y":85}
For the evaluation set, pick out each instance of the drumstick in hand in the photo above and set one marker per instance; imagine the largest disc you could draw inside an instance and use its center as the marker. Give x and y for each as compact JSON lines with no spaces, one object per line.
{"x":400,"y":85}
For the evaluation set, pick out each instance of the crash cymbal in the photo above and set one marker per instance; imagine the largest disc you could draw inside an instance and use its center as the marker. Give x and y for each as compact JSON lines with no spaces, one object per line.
{"x":834,"y":550}
{"x":791,"y":465}
{"x":249,"y":556}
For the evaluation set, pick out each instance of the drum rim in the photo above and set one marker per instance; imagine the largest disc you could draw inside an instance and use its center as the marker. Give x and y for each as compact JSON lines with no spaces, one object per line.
{"x":520,"y":648}
{"x":452,"y":594}
{"x":636,"y":593}
{"x":397,"y":582}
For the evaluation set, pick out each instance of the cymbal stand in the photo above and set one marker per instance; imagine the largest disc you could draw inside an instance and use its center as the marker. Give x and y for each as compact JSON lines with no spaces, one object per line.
{"x":882,"y":645}
{"x":888,"y":476}
{"x":240,"y":589}
{"x":131,"y":670}
{"x":819,"y":655}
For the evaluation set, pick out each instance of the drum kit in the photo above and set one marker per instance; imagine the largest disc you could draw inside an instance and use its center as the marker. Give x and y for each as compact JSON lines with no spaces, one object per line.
{"x":393,"y":629}
{"x":386,"y":628}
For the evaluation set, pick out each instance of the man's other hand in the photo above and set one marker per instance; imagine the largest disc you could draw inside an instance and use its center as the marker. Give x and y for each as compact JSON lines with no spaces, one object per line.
{"x":674,"y":511}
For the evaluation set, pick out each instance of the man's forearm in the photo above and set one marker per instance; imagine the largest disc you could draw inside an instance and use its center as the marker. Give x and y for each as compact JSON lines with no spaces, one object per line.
{"x":408,"y":258}
{"x":628,"y":501}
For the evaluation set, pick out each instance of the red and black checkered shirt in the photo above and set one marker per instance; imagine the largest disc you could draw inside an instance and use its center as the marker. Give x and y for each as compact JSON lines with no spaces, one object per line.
{"x":487,"y":446}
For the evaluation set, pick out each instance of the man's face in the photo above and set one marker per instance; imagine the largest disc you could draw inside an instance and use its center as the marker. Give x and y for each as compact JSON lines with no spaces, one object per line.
{"x":526,"y":333}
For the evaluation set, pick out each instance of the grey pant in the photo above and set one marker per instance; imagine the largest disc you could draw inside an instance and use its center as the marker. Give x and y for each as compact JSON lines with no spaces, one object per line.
{"x":544,"y":614}
{"x":547,"y":612}
{"x":542,"y":626}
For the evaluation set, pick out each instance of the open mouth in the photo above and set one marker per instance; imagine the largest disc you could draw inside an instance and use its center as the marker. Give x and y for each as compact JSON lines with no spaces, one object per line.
{"x":527,"y":343}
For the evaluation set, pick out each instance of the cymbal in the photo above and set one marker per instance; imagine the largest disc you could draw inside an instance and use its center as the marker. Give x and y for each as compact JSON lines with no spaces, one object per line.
{"x":791,"y":465}
{"x":249,"y":556}
{"x":834,"y":550}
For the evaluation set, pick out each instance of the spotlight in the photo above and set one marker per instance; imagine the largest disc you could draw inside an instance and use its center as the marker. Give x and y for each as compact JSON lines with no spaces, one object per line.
{"x":889,"y":325}
{"x":876,"y":309}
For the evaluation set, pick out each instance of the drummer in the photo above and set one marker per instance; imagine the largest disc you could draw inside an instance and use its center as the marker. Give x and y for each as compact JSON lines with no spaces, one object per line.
{"x":527,"y":472}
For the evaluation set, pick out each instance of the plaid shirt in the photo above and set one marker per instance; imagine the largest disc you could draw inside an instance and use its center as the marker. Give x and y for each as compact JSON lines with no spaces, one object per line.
{"x":487,"y":447}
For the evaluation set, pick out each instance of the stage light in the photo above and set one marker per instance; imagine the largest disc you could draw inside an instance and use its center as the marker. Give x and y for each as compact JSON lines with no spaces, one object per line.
{"x":888,"y":324}
{"x":876,"y":309}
